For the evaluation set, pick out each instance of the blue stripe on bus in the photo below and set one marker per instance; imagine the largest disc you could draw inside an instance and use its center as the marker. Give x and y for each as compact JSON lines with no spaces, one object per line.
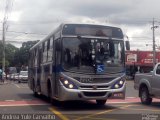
{"x":46,"y":68}
{"x":57,"y":69}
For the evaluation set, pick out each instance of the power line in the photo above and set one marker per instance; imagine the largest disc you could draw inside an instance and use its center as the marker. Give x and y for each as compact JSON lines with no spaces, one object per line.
{"x":26,"y":32}
{"x":42,"y":23}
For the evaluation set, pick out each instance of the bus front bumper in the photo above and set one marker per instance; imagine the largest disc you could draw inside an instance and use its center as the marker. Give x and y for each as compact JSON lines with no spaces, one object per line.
{"x":77,"y":94}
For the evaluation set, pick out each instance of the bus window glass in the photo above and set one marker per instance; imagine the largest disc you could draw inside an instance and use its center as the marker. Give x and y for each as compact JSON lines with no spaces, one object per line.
{"x":48,"y":44}
{"x":35,"y":57}
{"x":45,"y":52}
{"x":85,"y":54}
{"x":43,"y":46}
{"x":50,"y":50}
{"x":51,"y":43}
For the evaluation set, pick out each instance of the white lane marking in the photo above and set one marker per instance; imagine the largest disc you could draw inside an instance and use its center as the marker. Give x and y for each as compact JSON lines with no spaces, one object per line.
{"x":20,"y":86}
{"x":17,"y":86}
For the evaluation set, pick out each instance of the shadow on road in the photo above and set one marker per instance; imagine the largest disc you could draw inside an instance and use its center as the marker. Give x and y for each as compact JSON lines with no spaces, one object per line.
{"x":81,"y":105}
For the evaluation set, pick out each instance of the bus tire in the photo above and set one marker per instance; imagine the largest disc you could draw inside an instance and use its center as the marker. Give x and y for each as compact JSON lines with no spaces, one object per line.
{"x":101,"y":102}
{"x":144,"y":96}
{"x":35,"y":93}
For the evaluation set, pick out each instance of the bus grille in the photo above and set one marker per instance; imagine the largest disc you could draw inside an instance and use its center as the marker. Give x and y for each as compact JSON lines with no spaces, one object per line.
{"x":91,"y":87}
{"x":94,"y":80}
{"x":94,"y":94}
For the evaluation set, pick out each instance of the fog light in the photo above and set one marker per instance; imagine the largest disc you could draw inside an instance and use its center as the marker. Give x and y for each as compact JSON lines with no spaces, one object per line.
{"x":121,"y":82}
{"x":116,"y":86}
{"x":66,"y":82}
{"x":70,"y":86}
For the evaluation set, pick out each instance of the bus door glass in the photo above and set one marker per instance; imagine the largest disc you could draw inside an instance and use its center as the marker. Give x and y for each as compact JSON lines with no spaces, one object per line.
{"x":57,"y":63}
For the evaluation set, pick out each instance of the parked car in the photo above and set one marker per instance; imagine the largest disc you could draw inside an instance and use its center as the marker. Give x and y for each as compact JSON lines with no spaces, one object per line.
{"x":23,"y":76}
{"x":16,"y":76}
{"x":4,"y":75}
{"x":148,"y":85}
{"x":11,"y":77}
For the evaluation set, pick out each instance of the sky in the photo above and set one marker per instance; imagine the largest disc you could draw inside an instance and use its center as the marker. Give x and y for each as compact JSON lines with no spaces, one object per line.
{"x":33,"y":19}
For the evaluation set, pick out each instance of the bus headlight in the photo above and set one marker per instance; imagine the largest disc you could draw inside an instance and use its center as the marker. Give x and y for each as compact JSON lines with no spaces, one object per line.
{"x":118,"y":84}
{"x":68,"y":84}
{"x":121,"y":82}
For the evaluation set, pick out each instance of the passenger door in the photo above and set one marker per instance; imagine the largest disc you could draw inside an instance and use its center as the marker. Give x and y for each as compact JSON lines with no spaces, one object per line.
{"x":156,"y":82}
{"x":57,"y":64}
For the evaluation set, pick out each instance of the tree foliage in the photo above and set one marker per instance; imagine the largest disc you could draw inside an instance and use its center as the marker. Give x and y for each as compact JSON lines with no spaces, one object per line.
{"x":9,"y":54}
{"x":22,"y":55}
{"x":16,"y":56}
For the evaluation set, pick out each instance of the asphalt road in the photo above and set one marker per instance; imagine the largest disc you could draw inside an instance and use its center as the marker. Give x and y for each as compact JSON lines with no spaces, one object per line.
{"x":17,"y":99}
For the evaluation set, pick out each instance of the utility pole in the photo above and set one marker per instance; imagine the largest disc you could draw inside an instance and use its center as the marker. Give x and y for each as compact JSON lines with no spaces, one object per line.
{"x":8,"y":3}
{"x":154,"y":45}
{"x":3,"y":42}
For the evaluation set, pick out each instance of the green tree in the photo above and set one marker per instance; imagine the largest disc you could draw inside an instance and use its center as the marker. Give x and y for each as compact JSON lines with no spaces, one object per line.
{"x":22,"y":55}
{"x":9,"y":54}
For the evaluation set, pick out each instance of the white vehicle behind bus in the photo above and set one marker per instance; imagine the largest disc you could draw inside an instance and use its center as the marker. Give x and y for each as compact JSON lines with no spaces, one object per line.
{"x":23,"y":76}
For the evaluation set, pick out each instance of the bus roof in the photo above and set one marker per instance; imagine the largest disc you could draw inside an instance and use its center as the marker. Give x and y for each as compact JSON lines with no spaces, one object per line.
{"x":60,"y":27}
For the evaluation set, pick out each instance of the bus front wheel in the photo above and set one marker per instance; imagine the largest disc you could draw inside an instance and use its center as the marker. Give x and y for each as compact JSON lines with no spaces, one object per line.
{"x":101,"y":102}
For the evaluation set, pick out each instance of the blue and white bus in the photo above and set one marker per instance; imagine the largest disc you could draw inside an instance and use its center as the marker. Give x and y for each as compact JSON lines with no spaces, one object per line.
{"x":79,"y":62}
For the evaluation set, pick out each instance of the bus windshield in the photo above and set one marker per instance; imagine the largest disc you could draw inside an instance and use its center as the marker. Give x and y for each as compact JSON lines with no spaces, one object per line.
{"x":90,"y":55}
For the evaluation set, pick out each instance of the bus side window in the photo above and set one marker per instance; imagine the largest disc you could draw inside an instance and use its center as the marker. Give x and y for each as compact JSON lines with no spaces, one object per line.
{"x":43,"y":47}
{"x":50,"y":49}
{"x":51,"y":43}
{"x":40,"y":54}
{"x":35,"y":57}
{"x":58,"y":51}
{"x":58,"y":45}
{"x":44,"y":52}
{"x":48,"y":44}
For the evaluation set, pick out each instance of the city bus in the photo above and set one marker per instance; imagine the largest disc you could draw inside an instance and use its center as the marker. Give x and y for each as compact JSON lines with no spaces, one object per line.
{"x":79,"y":62}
